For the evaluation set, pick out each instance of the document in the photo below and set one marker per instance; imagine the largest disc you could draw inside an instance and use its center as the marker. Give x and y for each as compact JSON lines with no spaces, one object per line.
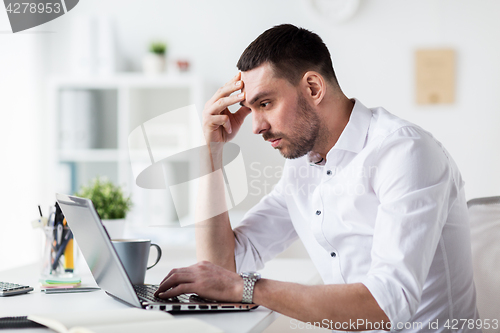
{"x":121,"y":321}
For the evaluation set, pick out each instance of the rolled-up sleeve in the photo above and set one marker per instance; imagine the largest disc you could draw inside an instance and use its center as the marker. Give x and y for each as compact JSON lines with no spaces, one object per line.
{"x":416,"y":188}
{"x":265,"y":231}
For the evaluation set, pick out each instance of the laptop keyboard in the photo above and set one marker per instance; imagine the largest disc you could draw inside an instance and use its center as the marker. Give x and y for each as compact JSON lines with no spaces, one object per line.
{"x":147,"y":291}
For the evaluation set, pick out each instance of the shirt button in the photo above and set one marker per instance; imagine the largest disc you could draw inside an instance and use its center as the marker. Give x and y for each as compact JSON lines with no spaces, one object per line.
{"x":318,"y":212}
{"x":329,"y":172}
{"x":333,"y":254}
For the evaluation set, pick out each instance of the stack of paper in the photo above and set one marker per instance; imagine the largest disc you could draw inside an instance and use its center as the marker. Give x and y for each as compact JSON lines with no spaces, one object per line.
{"x":60,"y":282}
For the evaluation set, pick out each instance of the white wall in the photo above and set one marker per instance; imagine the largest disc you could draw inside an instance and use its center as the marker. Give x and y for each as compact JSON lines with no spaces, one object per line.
{"x":372,"y":54}
{"x":21,"y":148}
{"x":374,"y":59}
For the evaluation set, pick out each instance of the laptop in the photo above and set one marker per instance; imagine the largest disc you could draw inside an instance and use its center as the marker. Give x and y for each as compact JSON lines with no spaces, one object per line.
{"x":109,"y":273}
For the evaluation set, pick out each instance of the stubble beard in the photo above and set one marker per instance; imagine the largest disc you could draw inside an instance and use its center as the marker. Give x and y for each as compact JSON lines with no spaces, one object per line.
{"x":304,"y":134}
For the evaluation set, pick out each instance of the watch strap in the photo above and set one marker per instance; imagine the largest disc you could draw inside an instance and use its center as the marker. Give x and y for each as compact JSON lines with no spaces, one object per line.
{"x":248,"y":286}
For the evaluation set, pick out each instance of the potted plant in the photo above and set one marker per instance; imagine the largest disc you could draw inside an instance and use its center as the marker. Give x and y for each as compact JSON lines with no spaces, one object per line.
{"x":110,"y":202}
{"x":155,"y":62}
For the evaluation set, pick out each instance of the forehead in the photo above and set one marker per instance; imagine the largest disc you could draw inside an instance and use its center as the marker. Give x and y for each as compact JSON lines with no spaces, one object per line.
{"x":261,"y":79}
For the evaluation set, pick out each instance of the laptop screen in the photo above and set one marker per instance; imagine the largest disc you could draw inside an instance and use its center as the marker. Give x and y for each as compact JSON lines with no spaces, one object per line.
{"x":97,"y":248}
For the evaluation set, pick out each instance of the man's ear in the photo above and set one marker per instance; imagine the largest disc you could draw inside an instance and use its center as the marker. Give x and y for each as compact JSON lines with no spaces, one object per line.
{"x":315,"y":86}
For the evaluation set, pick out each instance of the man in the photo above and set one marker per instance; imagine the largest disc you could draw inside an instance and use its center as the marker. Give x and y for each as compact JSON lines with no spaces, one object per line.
{"x":383,"y":214}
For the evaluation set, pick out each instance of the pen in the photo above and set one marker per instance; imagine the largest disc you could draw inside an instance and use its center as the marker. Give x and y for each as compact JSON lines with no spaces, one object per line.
{"x":61,"y":249}
{"x":69,"y":290}
{"x":41,"y":222}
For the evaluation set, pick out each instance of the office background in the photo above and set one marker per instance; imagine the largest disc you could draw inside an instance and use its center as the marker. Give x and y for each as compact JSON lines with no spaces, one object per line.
{"x":373,"y":55}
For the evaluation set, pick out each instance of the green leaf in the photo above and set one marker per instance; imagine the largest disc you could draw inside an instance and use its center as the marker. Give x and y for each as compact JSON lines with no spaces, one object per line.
{"x":109,"y":199}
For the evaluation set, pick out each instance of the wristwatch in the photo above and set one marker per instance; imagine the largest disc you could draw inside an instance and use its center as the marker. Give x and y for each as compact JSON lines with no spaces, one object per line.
{"x":249,"y":279}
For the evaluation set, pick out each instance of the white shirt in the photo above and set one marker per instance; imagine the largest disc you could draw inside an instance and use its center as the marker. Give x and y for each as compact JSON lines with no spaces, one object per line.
{"x":386,"y":209}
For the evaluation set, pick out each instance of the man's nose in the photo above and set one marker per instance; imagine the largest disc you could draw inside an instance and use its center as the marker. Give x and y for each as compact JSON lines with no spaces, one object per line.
{"x":259,"y":123}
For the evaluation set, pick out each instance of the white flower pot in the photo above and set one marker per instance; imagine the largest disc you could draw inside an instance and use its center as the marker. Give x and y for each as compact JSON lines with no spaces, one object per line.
{"x":153,"y":63}
{"x":115,"y":228}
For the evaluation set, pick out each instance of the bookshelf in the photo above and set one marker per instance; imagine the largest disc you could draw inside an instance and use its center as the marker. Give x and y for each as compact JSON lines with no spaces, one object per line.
{"x":91,"y":119}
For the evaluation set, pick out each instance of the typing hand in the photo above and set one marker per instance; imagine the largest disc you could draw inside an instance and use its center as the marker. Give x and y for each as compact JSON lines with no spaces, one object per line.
{"x":205,"y":279}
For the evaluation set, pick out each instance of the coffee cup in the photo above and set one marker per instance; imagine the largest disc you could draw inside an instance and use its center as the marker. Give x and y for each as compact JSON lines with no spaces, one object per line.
{"x":134,"y":255}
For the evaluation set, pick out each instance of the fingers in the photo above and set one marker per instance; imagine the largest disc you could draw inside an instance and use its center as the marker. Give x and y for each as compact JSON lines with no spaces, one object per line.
{"x":173,"y":280}
{"x":177,"y":290}
{"x":221,"y":120}
{"x":175,"y":270}
{"x":223,"y":102}
{"x":166,"y":277}
{"x":205,"y":279}
{"x":231,"y":86}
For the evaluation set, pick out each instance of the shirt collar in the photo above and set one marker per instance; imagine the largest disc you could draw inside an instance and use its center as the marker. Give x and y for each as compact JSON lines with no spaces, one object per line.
{"x":353,"y":137}
{"x":315,"y":158}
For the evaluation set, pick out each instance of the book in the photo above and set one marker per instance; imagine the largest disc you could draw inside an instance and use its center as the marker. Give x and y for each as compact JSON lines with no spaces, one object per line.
{"x":130,"y":320}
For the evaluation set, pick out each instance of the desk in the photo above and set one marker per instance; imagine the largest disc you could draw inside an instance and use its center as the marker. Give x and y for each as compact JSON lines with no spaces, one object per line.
{"x":292,"y":270}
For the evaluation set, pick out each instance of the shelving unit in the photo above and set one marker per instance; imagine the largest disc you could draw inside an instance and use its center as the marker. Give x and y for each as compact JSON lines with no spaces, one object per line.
{"x":119,"y":104}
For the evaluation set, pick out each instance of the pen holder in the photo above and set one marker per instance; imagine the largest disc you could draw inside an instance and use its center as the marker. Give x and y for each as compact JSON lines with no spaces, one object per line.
{"x":59,"y":253}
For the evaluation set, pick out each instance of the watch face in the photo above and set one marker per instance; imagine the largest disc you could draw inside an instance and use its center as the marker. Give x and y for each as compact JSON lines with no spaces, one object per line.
{"x":251,"y":275}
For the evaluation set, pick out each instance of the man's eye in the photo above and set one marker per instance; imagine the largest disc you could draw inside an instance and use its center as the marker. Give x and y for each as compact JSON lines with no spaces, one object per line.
{"x":264,"y":104}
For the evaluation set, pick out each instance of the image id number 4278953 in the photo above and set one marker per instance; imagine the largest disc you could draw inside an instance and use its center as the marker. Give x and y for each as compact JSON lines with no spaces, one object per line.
{"x":455,"y":324}
{"x":33,"y":7}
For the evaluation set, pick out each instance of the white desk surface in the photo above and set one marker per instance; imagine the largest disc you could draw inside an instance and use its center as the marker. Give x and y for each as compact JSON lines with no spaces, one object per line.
{"x":292,"y":270}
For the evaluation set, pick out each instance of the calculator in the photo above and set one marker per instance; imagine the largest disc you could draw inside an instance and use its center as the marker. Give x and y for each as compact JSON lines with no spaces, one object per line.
{"x":9,"y":289}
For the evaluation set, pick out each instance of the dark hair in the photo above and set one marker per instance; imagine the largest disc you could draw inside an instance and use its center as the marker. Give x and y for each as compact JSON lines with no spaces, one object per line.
{"x":291,"y":51}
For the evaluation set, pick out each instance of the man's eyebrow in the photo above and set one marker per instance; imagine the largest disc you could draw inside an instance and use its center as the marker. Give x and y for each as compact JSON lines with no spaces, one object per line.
{"x":260,"y":95}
